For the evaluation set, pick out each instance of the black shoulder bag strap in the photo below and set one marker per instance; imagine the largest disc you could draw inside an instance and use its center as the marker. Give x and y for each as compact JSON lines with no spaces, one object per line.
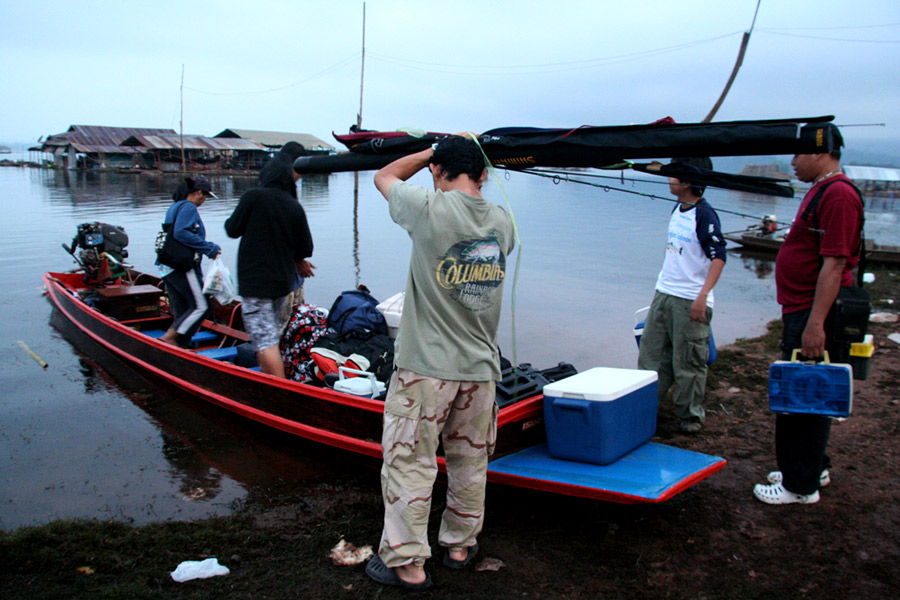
{"x":167,"y":227}
{"x":811,"y":211}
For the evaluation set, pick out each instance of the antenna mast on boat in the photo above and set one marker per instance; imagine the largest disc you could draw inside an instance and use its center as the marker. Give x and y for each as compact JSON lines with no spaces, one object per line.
{"x":181,"y":121}
{"x":362,"y":71}
{"x":737,"y":65}
{"x":362,"y":75}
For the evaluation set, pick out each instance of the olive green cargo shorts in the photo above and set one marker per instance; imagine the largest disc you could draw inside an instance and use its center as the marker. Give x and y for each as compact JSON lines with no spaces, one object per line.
{"x":677,"y":349}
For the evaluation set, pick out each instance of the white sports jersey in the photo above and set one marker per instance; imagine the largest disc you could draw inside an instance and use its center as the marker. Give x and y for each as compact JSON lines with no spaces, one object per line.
{"x":688,"y":257}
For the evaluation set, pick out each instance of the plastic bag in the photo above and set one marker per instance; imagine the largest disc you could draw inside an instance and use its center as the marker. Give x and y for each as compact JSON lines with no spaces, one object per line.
{"x":192,"y":569}
{"x":219,"y":284}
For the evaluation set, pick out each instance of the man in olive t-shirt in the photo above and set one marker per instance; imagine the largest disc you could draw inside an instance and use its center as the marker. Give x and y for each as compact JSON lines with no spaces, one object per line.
{"x":446,"y":358}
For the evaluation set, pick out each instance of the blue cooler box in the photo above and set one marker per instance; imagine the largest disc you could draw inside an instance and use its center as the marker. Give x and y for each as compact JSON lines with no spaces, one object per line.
{"x":600,"y":415}
{"x":813,"y":389}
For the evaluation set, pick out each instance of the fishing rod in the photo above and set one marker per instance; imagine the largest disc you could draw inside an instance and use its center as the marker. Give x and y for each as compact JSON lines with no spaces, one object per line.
{"x":560,"y":176}
{"x":620,"y":178}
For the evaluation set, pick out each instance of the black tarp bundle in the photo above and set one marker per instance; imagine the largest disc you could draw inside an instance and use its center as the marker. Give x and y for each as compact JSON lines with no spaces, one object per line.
{"x":523,"y":147}
{"x":585,"y":147}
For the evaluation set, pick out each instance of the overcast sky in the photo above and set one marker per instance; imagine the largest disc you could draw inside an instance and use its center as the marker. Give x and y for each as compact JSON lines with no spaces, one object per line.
{"x":442,"y":66}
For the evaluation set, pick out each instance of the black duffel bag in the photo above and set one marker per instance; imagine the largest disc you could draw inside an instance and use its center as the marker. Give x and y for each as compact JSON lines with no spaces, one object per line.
{"x":848,"y":319}
{"x":171,"y":252}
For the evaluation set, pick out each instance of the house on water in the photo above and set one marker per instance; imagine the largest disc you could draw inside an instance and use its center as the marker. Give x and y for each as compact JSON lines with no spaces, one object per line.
{"x":94,"y":146}
{"x":165,"y":152}
{"x":875,"y":181}
{"x":100,"y":147}
{"x":274,"y":140}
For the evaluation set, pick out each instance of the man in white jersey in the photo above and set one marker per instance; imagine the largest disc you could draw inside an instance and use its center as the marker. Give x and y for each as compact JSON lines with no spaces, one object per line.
{"x":675,"y":341}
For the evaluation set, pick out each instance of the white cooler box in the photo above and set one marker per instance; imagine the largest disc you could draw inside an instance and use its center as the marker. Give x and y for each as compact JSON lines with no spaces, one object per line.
{"x":392,"y":309}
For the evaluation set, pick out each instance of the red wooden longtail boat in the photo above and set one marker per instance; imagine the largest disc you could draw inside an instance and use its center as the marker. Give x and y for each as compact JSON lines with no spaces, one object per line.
{"x":125,"y":314}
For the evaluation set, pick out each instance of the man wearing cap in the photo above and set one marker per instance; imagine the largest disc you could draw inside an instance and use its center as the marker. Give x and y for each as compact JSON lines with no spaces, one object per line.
{"x":275,"y":243}
{"x":675,"y":340}
{"x":816,"y":259}
{"x":185,"y":288}
{"x":447,"y":360}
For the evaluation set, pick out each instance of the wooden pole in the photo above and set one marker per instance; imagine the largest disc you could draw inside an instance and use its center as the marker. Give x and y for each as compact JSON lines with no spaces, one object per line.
{"x":181,"y":122}
{"x":737,"y":65}
{"x":362,"y":71}
{"x":362,"y":75}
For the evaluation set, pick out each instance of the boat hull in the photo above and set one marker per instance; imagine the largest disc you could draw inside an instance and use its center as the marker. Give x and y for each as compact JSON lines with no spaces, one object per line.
{"x":648,"y":475}
{"x":316,"y":413}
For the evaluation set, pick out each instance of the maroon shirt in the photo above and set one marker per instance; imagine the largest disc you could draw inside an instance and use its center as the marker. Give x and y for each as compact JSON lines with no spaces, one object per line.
{"x":800,"y":259}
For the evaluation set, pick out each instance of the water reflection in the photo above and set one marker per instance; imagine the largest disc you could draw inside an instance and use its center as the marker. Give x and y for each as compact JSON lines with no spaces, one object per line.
{"x":211,"y":459}
{"x":762,"y":266}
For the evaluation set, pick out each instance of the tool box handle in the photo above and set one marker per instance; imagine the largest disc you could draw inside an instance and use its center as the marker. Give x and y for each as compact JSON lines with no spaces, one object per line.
{"x":796,"y":351}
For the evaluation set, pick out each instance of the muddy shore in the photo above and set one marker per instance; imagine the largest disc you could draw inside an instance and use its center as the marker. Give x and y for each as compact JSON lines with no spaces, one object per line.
{"x":712,"y":541}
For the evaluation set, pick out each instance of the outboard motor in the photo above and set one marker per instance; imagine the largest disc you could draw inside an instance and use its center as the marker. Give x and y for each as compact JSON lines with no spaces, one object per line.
{"x":101,"y":245}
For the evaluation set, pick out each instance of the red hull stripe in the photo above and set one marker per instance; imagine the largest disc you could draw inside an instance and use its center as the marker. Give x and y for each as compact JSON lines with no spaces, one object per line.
{"x":306,"y":431}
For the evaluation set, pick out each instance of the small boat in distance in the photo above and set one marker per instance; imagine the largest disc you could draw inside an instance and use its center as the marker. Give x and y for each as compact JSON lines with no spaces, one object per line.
{"x":760,"y":238}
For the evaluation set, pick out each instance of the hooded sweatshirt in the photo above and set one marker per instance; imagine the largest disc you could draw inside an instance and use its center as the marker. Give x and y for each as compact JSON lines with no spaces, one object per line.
{"x":273,"y":230}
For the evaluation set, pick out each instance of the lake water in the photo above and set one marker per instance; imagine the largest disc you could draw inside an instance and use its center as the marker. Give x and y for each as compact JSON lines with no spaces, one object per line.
{"x":75,"y":442}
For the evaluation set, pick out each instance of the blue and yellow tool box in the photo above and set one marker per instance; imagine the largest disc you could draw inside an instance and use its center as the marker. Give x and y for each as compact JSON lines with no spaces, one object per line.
{"x":822,"y":388}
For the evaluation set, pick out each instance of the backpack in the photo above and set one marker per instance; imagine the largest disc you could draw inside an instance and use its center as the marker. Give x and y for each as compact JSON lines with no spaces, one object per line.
{"x":848,"y":318}
{"x":811,"y":214}
{"x":356,"y":309}
{"x":305,"y":327}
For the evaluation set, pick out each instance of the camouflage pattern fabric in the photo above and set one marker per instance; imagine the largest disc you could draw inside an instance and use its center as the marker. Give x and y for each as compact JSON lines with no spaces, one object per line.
{"x":419,"y":412}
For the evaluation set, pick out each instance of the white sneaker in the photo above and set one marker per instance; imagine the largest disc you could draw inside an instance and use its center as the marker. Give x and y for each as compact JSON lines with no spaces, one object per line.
{"x":776,"y":494}
{"x":777,"y":477}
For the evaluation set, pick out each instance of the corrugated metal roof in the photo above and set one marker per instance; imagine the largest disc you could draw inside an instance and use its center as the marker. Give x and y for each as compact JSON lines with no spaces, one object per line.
{"x":191,"y":142}
{"x":277,"y":139}
{"x":871,"y":173}
{"x":97,"y":138}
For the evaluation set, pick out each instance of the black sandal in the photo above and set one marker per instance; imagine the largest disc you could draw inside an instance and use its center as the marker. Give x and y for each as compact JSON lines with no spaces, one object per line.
{"x":459,"y":564}
{"x":380,"y":572}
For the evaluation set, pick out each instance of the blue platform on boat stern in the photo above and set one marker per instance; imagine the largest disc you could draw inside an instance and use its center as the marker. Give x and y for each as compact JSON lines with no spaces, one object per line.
{"x":198,"y":339}
{"x":647,"y":472}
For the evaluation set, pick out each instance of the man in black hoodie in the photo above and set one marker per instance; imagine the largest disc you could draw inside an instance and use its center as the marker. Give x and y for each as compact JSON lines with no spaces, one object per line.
{"x":275,"y":243}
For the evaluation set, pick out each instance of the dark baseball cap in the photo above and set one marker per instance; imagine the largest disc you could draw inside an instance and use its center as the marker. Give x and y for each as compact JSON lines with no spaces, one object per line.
{"x":200,"y":182}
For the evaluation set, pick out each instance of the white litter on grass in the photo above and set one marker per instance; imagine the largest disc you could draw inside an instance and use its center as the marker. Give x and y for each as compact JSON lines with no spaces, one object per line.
{"x":868,"y":277}
{"x":884,"y":317}
{"x":193,"y":569}
{"x":346,"y":554}
{"x":894,"y":337}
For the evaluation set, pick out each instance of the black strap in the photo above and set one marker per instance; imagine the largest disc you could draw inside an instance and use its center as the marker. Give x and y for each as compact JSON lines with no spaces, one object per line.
{"x":174,"y":218}
{"x":810,"y":214}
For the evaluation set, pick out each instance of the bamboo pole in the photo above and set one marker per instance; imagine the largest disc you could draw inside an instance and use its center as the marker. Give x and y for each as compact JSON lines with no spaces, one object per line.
{"x":33,"y":355}
{"x":737,"y":65}
{"x":181,"y":122}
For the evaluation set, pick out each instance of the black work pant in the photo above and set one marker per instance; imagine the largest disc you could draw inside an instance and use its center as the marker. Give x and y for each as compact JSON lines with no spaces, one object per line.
{"x":189,"y":305}
{"x":801,"y":441}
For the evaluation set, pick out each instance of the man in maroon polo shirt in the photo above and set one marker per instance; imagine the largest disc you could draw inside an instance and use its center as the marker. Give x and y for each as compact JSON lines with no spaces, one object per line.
{"x":816,"y":259}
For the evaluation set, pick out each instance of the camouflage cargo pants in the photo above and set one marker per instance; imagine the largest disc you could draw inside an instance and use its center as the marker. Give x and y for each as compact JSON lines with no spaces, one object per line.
{"x":419,"y":412}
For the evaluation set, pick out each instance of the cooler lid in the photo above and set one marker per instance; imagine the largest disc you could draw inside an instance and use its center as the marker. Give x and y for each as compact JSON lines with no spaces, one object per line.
{"x":600,"y":383}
